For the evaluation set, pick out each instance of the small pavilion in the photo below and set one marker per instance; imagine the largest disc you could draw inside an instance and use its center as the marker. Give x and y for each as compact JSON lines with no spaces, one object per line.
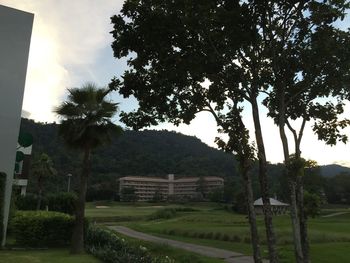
{"x":277,"y":207}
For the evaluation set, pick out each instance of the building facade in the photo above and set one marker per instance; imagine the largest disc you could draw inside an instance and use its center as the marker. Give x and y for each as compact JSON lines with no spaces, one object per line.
{"x":146,"y":188}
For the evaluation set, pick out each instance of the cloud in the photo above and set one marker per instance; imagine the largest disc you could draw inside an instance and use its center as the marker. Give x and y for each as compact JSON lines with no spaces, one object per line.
{"x":67,"y":38}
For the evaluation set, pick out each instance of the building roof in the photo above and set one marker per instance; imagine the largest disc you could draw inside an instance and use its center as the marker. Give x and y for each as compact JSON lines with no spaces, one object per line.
{"x":160,"y":179}
{"x":144,"y":179}
{"x":274,"y":202}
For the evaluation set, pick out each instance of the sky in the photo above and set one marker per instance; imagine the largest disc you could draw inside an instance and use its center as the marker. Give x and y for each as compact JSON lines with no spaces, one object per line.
{"x":71,"y":45}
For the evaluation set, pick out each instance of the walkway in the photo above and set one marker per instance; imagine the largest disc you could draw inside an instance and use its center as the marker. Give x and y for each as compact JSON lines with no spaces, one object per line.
{"x":335,"y":214}
{"x":228,"y":256}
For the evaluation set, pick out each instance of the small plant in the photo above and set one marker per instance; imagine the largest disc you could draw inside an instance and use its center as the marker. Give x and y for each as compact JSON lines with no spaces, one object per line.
{"x":247,"y":240}
{"x":236,"y":238}
{"x":225,"y":237}
{"x":165,"y":213}
{"x":217,"y":236}
{"x":209,"y":235}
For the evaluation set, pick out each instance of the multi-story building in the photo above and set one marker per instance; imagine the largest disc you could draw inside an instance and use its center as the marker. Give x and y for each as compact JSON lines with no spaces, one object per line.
{"x":147,"y":187}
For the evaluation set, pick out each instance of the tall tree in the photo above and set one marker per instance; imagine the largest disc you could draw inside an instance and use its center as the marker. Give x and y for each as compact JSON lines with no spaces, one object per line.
{"x":309,"y":58}
{"x":86,"y":124}
{"x":174,"y":47}
{"x":42,"y":168}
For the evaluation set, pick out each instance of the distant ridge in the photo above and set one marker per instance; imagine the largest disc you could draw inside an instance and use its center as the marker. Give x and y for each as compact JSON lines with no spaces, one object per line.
{"x":331,"y":170}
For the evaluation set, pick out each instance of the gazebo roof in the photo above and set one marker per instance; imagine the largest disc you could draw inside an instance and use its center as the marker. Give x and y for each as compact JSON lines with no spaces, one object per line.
{"x":273,"y":202}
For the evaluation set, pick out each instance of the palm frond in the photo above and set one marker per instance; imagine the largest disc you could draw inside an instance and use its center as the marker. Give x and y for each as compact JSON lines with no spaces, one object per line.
{"x":86,"y":117}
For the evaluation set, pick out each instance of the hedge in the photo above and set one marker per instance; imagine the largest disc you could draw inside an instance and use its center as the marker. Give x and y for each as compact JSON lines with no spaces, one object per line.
{"x":42,"y":228}
{"x":109,"y":248}
{"x":60,"y":202}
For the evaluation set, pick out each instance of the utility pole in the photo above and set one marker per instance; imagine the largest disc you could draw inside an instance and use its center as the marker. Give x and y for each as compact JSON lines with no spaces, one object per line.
{"x":69,"y":177}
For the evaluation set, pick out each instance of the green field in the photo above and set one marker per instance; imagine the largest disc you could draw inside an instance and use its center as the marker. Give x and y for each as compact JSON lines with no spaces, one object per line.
{"x":44,"y":256}
{"x":213,"y":226}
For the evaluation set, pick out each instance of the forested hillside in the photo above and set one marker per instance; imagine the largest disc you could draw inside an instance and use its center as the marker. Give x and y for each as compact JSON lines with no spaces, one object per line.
{"x":158,"y":153}
{"x":145,"y":153}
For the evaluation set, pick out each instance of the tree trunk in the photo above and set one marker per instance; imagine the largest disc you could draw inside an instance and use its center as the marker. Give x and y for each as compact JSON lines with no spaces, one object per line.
{"x":251,"y":212}
{"x":291,"y":181}
{"x":40,"y":194}
{"x":77,"y":245}
{"x":303,"y":221}
{"x":270,"y":234}
{"x":295,"y":221}
{"x":293,"y":197}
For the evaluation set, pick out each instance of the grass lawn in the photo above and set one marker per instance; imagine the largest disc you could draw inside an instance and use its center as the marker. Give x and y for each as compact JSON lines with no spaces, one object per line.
{"x":212,"y":226}
{"x":44,"y":256}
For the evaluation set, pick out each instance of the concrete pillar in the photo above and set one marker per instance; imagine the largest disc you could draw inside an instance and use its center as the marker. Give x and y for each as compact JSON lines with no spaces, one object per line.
{"x":171,"y":184}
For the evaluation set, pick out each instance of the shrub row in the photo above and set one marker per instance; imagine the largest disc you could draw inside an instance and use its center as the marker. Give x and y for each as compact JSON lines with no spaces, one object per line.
{"x":207,"y":235}
{"x":167,"y":213}
{"x":60,"y":202}
{"x":109,"y":248}
{"x":42,"y":228}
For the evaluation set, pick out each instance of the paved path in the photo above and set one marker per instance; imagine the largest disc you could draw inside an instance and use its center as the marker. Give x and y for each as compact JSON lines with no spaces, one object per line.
{"x":228,"y":256}
{"x":336,"y":214}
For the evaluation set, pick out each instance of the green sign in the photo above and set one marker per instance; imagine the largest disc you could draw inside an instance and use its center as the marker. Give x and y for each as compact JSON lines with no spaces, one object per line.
{"x":25,"y":139}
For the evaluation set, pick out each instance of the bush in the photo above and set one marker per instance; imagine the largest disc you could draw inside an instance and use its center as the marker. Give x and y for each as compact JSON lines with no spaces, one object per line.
{"x":185,"y":209}
{"x":165,"y":213}
{"x":109,"y":248}
{"x":62,"y":202}
{"x":42,"y":228}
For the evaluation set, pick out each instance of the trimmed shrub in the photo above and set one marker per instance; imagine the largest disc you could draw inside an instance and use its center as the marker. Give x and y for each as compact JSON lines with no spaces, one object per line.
{"x":42,"y":228}
{"x":109,"y":248}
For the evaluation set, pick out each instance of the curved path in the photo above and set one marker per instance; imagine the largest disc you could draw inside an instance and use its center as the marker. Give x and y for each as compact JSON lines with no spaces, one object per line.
{"x":335,"y":214}
{"x":228,"y":256}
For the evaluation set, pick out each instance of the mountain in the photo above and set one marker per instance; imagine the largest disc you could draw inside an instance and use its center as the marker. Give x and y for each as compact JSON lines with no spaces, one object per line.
{"x":333,"y":169}
{"x":143,"y":153}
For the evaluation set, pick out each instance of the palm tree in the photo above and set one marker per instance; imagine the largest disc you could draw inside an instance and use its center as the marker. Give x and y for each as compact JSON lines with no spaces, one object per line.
{"x":86,"y":124}
{"x":41,"y":169}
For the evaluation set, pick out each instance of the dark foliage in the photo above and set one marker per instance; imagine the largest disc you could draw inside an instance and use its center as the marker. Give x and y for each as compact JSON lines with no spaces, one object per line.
{"x":62,"y":202}
{"x":59,"y":202}
{"x":29,"y":202}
